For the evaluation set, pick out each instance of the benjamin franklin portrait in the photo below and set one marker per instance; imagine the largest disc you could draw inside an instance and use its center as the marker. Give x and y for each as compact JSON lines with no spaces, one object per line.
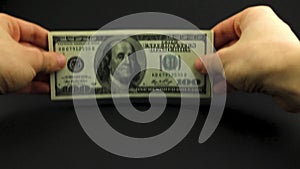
{"x":118,"y":62}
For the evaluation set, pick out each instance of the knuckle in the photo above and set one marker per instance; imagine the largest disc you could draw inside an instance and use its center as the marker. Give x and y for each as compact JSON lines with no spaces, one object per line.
{"x":34,"y":35}
{"x":9,"y":25}
{"x":4,"y":16}
{"x":257,"y":11}
{"x":261,"y":8}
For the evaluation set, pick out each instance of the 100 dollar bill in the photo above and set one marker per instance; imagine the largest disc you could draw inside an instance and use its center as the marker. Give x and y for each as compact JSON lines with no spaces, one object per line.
{"x":130,"y":63}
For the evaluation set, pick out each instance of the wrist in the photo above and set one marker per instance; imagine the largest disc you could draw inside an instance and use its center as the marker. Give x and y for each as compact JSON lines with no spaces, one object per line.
{"x":283,"y":81}
{"x":282,"y":69}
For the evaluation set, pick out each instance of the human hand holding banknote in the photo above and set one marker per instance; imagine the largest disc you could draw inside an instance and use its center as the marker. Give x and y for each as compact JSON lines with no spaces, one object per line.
{"x":260,"y":53}
{"x":258,"y":50}
{"x":24,"y":61}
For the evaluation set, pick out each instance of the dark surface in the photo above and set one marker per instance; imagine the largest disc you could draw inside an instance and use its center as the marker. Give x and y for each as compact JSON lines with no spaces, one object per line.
{"x":38,"y":133}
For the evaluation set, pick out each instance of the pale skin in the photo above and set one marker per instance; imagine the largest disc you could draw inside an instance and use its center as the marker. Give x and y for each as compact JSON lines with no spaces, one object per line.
{"x":25,"y":63}
{"x":259,"y":53}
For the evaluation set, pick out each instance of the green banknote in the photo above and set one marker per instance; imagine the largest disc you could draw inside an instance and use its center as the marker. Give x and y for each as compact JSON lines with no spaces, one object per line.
{"x":130,"y":63}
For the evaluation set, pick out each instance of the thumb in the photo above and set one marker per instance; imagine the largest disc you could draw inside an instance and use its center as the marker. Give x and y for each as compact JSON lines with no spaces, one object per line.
{"x":210,"y":63}
{"x":52,"y":62}
{"x":215,"y":66}
{"x":46,"y":62}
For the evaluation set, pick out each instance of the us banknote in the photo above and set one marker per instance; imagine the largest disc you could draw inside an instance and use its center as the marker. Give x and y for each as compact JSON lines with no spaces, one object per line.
{"x":130,"y":63}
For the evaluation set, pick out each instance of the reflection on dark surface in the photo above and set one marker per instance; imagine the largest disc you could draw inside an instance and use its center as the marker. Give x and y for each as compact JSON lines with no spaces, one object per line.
{"x":142,"y":130}
{"x":250,"y":126}
{"x":45,"y":134}
{"x":139,"y":130}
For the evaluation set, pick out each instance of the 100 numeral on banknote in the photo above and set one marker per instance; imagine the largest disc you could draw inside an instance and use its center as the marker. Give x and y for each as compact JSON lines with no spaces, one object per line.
{"x":130,"y":62}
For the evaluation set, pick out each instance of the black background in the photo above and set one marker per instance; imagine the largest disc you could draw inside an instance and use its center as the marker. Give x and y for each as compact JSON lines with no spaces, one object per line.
{"x":38,"y":133}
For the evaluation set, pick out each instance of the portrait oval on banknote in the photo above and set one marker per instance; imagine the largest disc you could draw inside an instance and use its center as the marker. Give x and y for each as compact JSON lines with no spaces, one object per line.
{"x":120,"y":60}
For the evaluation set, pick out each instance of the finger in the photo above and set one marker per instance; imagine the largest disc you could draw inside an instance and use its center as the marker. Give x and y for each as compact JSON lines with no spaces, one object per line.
{"x":42,"y":77}
{"x":51,"y":62}
{"x":227,"y":31}
{"x":211,"y":63}
{"x":23,"y":31}
{"x":43,"y":61}
{"x":32,"y":33}
{"x":221,"y":87}
{"x":231,"y":29}
{"x":26,"y":44}
{"x":199,"y":66}
{"x":36,"y":88}
{"x":214,"y":65}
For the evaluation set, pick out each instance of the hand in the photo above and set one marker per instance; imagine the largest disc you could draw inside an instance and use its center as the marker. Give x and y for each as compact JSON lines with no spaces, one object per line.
{"x":24,"y":62}
{"x":259,"y":53}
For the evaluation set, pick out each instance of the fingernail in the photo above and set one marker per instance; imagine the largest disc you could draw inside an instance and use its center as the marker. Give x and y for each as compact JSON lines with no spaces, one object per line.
{"x":61,"y":59}
{"x":198,"y":65}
